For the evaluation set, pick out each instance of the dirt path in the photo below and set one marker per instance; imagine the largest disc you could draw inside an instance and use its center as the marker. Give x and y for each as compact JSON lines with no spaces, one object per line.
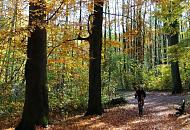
{"x":158,"y":115}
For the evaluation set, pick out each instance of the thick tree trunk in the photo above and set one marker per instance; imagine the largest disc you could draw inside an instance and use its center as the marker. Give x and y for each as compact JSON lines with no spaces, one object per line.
{"x":94,"y":101}
{"x":176,"y":79}
{"x":36,"y":95}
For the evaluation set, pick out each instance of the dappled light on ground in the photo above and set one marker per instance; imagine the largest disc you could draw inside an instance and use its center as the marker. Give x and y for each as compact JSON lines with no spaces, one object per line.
{"x":158,"y":115}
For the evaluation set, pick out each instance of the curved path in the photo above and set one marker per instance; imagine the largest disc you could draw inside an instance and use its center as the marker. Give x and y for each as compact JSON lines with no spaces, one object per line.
{"x":158,"y":115}
{"x":159,"y":112}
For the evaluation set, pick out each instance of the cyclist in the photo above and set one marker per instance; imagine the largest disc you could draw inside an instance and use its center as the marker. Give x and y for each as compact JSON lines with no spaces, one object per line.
{"x":140,"y":96}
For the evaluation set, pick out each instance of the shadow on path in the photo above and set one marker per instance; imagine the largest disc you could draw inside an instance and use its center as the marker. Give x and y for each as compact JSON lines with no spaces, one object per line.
{"x":158,"y":115}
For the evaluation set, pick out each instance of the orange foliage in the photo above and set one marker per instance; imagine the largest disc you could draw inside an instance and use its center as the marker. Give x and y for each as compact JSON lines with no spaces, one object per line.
{"x":56,"y":61}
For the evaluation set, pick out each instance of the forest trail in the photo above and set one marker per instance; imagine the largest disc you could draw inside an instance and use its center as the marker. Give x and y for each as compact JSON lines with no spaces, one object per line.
{"x":158,"y":115}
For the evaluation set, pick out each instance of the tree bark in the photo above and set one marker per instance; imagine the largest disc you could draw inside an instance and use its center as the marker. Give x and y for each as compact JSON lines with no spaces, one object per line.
{"x":94,"y":101}
{"x":36,"y":95}
{"x":176,"y":79}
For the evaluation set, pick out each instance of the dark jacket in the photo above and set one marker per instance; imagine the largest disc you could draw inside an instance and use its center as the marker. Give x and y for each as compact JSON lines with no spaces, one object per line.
{"x":140,"y":94}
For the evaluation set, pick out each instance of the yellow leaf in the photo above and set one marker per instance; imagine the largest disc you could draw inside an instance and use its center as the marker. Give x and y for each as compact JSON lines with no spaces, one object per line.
{"x":90,"y":7}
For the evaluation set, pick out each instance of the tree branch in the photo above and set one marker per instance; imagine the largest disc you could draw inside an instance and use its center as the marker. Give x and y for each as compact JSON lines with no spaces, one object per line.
{"x":78,"y":38}
{"x":120,"y":15}
{"x":55,"y":12}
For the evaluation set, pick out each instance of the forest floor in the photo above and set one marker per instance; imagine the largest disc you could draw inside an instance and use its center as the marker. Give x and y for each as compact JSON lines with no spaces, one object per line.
{"x":159,"y":113}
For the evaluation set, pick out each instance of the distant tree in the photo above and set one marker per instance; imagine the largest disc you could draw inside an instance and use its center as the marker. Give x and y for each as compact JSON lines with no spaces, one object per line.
{"x":36,"y":96}
{"x":176,"y":79}
{"x":174,"y":32}
{"x":95,"y":40}
{"x":169,"y":14}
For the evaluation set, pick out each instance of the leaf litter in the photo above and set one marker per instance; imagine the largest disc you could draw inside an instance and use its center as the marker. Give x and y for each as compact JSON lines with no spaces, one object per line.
{"x":159,"y":113}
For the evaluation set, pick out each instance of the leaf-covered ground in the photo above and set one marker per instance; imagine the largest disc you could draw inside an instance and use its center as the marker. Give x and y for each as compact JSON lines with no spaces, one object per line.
{"x":158,"y":115}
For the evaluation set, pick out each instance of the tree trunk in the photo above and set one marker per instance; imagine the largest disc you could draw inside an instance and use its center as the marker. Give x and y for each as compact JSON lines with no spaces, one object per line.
{"x":36,"y":96}
{"x":94,"y":101}
{"x":176,"y":79}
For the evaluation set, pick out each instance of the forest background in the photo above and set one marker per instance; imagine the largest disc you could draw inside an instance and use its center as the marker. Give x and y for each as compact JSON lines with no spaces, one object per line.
{"x":143,"y":42}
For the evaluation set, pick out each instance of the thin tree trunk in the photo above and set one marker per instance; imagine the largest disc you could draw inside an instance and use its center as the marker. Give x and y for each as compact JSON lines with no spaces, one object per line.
{"x":8,"y":52}
{"x":155,"y":43}
{"x":105,"y":31}
{"x":150,"y":46}
{"x":109,"y":33}
{"x":115,"y":24}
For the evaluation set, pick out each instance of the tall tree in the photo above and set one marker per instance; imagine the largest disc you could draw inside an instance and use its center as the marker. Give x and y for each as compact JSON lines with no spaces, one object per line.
{"x":36,"y":95}
{"x":170,"y":13}
{"x":173,"y":16}
{"x":176,"y":79}
{"x":95,"y":40}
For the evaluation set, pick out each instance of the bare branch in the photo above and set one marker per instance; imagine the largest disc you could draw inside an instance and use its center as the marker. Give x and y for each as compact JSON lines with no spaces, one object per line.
{"x":55,"y":12}
{"x":78,"y":38}
{"x":120,"y":15}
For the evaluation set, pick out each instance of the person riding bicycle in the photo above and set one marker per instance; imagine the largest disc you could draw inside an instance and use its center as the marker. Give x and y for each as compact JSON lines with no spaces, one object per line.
{"x":140,"y":96}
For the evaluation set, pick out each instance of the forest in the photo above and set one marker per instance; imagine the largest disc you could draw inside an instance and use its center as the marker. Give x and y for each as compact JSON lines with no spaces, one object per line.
{"x":75,"y":64}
